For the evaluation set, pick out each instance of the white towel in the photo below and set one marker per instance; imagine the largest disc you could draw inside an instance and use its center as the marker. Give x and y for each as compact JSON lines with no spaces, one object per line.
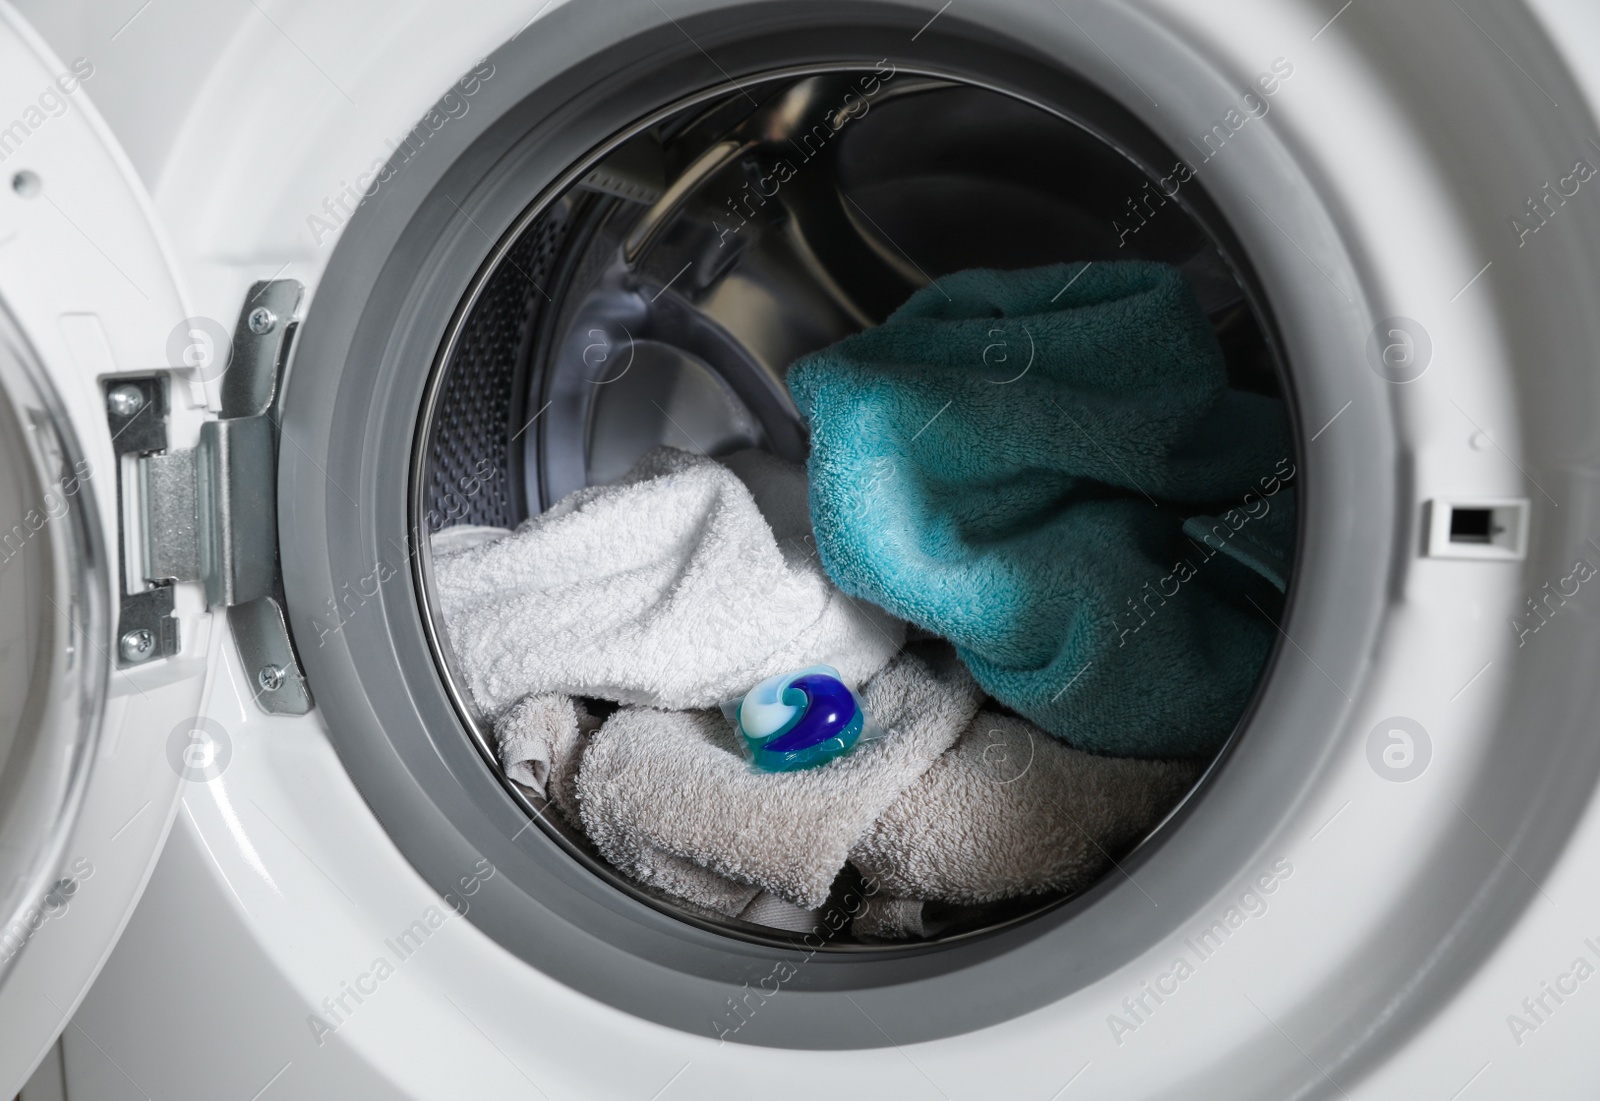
{"x":1011,"y":810}
{"x":465,"y":537}
{"x":669,"y":589}
{"x":667,"y":797}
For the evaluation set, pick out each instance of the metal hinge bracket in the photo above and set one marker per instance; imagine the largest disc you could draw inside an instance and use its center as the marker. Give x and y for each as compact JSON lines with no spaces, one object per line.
{"x":210,"y":513}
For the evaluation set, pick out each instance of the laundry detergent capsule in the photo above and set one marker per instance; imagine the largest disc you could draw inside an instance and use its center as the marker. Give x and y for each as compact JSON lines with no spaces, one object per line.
{"x":798,"y":720}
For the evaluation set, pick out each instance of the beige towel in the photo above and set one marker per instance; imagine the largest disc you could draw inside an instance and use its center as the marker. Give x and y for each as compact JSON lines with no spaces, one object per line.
{"x":776,"y":913}
{"x":1010,"y":810}
{"x":890,"y":918}
{"x":667,"y":797}
{"x":541,"y":740}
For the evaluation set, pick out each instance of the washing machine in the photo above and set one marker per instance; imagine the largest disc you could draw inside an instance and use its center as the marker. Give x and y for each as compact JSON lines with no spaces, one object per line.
{"x":287,"y":289}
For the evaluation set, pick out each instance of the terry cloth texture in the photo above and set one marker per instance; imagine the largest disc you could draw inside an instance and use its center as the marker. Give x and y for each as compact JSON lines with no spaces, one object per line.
{"x":1256,"y":535}
{"x":890,"y":918}
{"x":541,"y":741}
{"x":1032,"y":510}
{"x":465,"y":537}
{"x":669,"y":589}
{"x":667,"y":797}
{"x":1012,"y":811}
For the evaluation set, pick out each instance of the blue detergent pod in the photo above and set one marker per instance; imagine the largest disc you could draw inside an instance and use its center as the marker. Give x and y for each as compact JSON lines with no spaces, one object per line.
{"x":799,"y":720}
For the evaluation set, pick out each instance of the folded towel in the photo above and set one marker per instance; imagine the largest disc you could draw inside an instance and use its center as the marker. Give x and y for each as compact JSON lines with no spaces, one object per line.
{"x":776,"y":913}
{"x":541,"y":744}
{"x":890,"y":918}
{"x":668,"y":589}
{"x":1032,"y":512}
{"x":1256,"y":537}
{"x":541,"y":741}
{"x":1011,"y":811}
{"x":668,"y":799}
{"x":465,"y":537}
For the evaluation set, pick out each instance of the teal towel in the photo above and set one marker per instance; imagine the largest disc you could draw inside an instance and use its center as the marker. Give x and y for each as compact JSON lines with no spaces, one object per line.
{"x":1009,"y":461}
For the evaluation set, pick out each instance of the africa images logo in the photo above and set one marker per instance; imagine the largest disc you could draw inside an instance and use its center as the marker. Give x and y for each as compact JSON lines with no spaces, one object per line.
{"x":53,"y":905}
{"x":338,"y":1008}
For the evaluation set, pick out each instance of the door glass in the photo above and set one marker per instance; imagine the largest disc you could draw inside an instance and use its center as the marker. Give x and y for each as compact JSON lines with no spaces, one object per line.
{"x":53,"y":642}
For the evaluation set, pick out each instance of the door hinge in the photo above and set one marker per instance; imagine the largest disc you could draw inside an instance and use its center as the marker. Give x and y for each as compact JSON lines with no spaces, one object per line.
{"x":210,"y":513}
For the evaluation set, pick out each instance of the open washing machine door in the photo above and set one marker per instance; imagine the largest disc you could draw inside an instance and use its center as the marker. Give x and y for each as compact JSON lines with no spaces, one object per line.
{"x":107,"y":567}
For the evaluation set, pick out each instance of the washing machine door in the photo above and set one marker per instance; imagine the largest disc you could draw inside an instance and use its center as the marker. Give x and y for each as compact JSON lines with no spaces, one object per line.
{"x":103,"y":634}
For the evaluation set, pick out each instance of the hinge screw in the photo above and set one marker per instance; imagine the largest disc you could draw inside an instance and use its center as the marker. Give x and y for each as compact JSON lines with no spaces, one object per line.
{"x":138,"y":645}
{"x":125,"y":401}
{"x":270,"y":678}
{"x":262,"y":321}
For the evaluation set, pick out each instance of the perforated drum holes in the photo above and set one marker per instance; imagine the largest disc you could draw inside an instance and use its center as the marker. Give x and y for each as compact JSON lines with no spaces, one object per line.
{"x":1481,"y":528}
